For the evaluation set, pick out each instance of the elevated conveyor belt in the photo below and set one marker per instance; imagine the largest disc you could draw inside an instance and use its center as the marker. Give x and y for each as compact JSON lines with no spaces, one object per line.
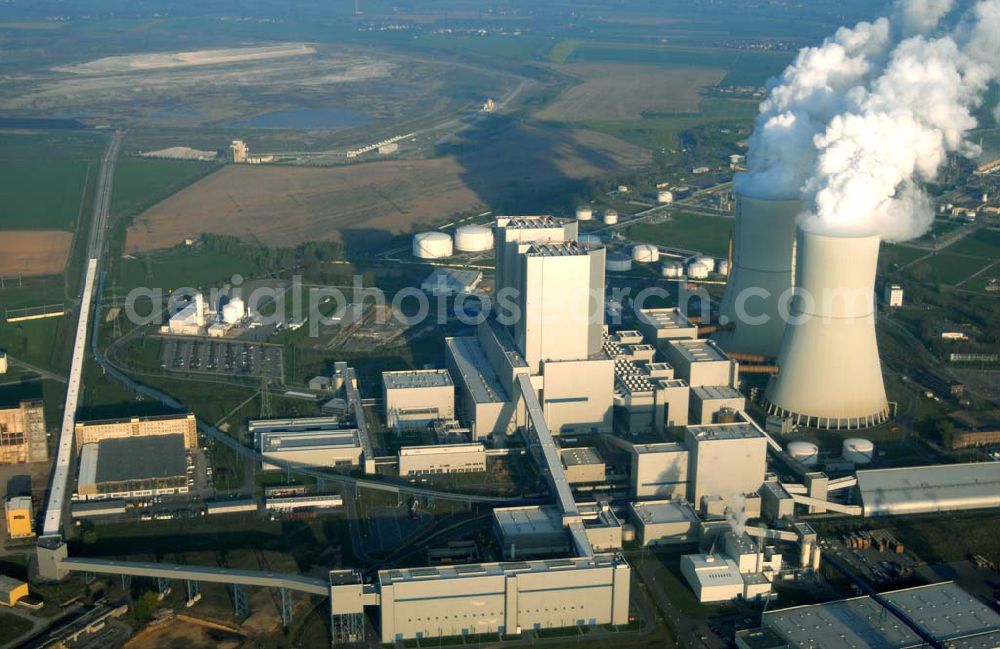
{"x":310,"y":585}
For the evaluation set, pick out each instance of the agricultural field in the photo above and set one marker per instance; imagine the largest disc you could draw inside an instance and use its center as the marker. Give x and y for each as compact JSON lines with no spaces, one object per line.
{"x":361,"y":205}
{"x":141,"y":182}
{"x":34,"y":252}
{"x":617,"y":92}
{"x":707,"y":234}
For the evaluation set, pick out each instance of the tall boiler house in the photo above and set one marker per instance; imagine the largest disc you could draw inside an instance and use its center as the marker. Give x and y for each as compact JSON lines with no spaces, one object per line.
{"x":829,"y":371}
{"x":762,"y":271}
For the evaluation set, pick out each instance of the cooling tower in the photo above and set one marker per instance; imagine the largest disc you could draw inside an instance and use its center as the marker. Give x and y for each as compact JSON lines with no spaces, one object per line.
{"x":829,"y":373}
{"x":763,"y":259}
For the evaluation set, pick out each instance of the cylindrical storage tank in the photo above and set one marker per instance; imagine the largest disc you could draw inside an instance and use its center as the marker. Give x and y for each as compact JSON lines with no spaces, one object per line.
{"x":432,"y":245}
{"x":830,"y":374}
{"x":618,"y":263}
{"x":858,"y":450}
{"x":645,"y":253}
{"x":584,"y":213}
{"x":805,"y":452}
{"x":722,"y":267}
{"x":697,"y":270}
{"x":589,"y":240}
{"x":610,"y":217}
{"x":673,"y":269}
{"x":707,"y":262}
{"x":664,"y":196}
{"x":763,"y":259}
{"x":474,"y":238}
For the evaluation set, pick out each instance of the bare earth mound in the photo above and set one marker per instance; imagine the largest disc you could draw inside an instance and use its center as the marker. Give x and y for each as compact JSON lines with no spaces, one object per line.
{"x":360,"y":204}
{"x":610,"y":91}
{"x":34,"y":252}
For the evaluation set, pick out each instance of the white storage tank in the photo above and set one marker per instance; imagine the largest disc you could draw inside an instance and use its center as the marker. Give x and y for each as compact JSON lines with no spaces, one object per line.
{"x":673,"y":269}
{"x":432,"y":245}
{"x":805,"y":452}
{"x":722,"y":267}
{"x":858,"y":450}
{"x":584,"y":213}
{"x":664,"y":196}
{"x":610,"y":217}
{"x":697,"y":270}
{"x":589,"y":240}
{"x":618,"y":263}
{"x":233,"y":311}
{"x":474,"y":238}
{"x":645,"y":253}
{"x":707,"y":262}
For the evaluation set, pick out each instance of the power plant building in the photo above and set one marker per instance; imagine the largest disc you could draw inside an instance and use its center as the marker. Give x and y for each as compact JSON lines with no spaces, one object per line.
{"x":132,"y":467}
{"x":929,"y":489}
{"x":659,"y":470}
{"x":707,"y":401}
{"x":311,"y":441}
{"x":726,"y":460}
{"x":19,"y":517}
{"x":92,"y":432}
{"x":701,"y":362}
{"x":506,"y":598}
{"x":417,"y":397}
{"x":661,"y":522}
{"x":582,"y":465}
{"x":531,"y":531}
{"x":451,"y":281}
{"x":22,"y":433}
{"x":446,"y":458}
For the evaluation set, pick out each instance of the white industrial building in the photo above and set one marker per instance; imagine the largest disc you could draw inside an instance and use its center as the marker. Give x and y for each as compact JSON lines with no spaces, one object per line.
{"x":557,"y":341}
{"x":442,"y":458}
{"x":507,"y":598}
{"x":661,"y":522}
{"x":312,"y":441}
{"x":647,"y":397}
{"x":892,"y":295}
{"x":712,"y":577}
{"x":582,"y":465}
{"x":417,"y":397}
{"x":929,"y":489}
{"x":530,"y":531}
{"x":659,"y":470}
{"x":189,"y":320}
{"x":709,"y":400}
{"x":451,"y":281}
{"x":660,"y":325}
{"x":726,"y":460}
{"x":701,"y":362}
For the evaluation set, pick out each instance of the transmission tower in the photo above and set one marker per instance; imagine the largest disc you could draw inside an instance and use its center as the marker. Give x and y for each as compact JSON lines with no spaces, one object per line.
{"x":265,"y":398}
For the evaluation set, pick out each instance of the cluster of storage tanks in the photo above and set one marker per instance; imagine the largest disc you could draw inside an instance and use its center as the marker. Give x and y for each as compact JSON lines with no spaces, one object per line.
{"x":233,"y":311}
{"x":856,"y":450}
{"x":468,"y":238}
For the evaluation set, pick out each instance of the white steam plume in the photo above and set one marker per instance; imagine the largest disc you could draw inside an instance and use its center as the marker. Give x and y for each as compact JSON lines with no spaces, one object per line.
{"x":854,"y":126}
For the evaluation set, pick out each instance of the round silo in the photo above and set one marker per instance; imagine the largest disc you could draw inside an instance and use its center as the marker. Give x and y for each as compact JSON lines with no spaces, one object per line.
{"x":645,"y":253}
{"x":584,"y":213}
{"x":805,"y":452}
{"x":618,"y":263}
{"x":432,"y":245}
{"x":474,"y":238}
{"x":858,"y":450}
{"x":610,"y":217}
{"x":673,"y":269}
{"x":664,"y":196}
{"x":697,"y":270}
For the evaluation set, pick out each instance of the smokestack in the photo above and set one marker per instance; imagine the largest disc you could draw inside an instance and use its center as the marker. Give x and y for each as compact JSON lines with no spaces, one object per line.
{"x":830,"y":374}
{"x":762,"y":268}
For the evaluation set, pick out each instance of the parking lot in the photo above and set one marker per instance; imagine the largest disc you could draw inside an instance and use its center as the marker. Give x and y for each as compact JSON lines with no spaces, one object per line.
{"x":222,"y":357}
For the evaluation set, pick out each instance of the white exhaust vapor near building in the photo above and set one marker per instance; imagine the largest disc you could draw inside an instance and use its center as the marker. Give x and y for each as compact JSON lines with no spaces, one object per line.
{"x":763,"y":263}
{"x":829,"y":371}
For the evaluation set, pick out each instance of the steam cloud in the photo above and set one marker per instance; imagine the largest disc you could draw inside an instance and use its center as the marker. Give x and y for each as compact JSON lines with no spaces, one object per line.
{"x":855,"y":125}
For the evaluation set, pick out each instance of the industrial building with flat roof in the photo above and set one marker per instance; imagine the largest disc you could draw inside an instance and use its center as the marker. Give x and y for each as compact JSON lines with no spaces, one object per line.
{"x":442,"y":458}
{"x":505,"y":598}
{"x":708,"y":400}
{"x":132,"y":467}
{"x":19,"y":517}
{"x":701,"y":362}
{"x":928,"y":489}
{"x":726,"y":460}
{"x":943,"y":611}
{"x":582,"y":465}
{"x":664,"y":521}
{"x":659,"y":470}
{"x":451,"y":281}
{"x":665,"y":324}
{"x":22,"y":433}
{"x":327,"y":447}
{"x":417,"y":397}
{"x":530,"y":531}
{"x":89,"y":432}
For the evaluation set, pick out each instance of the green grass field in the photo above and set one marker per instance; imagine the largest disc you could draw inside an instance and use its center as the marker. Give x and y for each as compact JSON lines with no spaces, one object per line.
{"x":984,"y":243}
{"x":12,"y":627}
{"x":141,"y":182}
{"x":184,"y":266}
{"x":949,"y":268}
{"x":43,"y":179}
{"x":744,"y":68}
{"x":708,"y":234}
